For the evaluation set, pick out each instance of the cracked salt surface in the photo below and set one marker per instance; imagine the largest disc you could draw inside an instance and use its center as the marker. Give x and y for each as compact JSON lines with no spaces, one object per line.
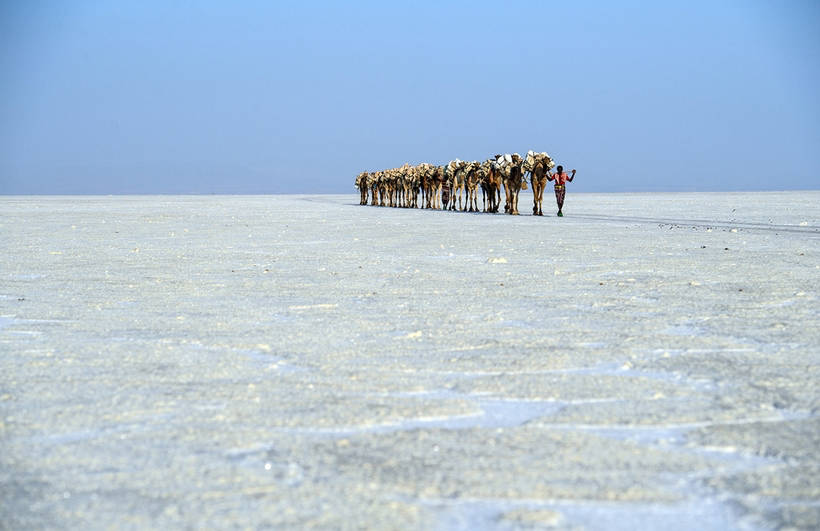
{"x":647,"y":361}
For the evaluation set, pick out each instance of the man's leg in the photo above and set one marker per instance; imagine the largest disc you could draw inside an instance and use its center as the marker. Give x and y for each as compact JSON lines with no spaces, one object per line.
{"x":559,"y":198}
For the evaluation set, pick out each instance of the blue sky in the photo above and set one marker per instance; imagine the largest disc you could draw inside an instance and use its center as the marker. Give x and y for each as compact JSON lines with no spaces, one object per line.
{"x":289,"y":97}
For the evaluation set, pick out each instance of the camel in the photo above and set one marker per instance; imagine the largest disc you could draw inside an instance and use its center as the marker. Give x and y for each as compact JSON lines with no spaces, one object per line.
{"x":490,"y":186}
{"x":407,"y":186}
{"x":512,"y":177}
{"x":399,"y":186}
{"x":423,"y":173}
{"x":415,"y":187}
{"x":373,"y":184}
{"x":389,"y":186}
{"x":538,"y":166}
{"x":448,"y":182}
{"x":420,"y":185}
{"x":436,"y":174}
{"x":472,"y":177}
{"x":456,"y":170}
{"x":538,"y":178}
{"x":382,"y":180}
{"x":361,"y":184}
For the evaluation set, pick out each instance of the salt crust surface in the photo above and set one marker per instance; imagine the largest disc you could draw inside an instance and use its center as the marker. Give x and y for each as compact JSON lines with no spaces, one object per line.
{"x":649,"y":360}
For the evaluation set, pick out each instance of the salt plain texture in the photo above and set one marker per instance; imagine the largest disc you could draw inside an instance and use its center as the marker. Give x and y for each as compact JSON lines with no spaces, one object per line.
{"x":648,"y":361}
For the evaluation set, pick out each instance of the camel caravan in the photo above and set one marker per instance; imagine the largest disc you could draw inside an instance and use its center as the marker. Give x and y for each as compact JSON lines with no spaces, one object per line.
{"x":441,"y":187}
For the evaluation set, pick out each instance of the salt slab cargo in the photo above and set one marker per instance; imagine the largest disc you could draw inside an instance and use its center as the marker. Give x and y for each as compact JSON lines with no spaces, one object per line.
{"x":296,"y":362}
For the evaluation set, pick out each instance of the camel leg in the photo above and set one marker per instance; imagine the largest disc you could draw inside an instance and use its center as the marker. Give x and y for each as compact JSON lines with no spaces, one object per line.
{"x":536,"y":187}
{"x":535,"y":200}
{"x":507,"y":209}
{"x":534,"y":183}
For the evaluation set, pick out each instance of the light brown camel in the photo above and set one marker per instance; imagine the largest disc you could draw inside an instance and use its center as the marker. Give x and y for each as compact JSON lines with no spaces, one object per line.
{"x":472,"y":176}
{"x":538,"y":166}
{"x":513,"y":180}
{"x":407,"y":186}
{"x":373,"y":184}
{"x":538,"y":178}
{"x":457,"y":171}
{"x":382,"y":180}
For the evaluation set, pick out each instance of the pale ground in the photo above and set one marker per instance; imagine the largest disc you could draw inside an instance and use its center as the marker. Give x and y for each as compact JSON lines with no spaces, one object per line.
{"x":648,"y":361}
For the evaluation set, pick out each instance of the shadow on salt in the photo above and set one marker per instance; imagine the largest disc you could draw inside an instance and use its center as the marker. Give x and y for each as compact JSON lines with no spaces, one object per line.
{"x":684,"y":330}
{"x":673,"y":437}
{"x":494,"y":413}
{"x":11,"y":320}
{"x":6,"y":321}
{"x":514,"y":323}
{"x":111,"y":431}
{"x":271,"y":362}
{"x":479,"y":514}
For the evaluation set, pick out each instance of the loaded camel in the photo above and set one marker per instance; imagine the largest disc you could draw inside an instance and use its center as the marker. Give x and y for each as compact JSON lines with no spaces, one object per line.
{"x":538,"y":165}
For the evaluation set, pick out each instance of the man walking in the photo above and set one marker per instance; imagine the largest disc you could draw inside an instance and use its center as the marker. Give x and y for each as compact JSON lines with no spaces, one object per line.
{"x":561,"y":179}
